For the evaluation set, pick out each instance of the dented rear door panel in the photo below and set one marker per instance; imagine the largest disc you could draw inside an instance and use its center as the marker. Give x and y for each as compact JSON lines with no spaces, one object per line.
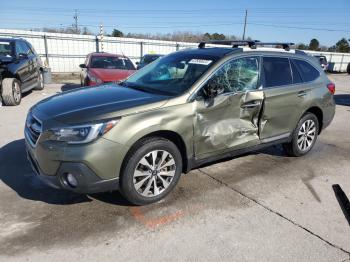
{"x":282,"y":109}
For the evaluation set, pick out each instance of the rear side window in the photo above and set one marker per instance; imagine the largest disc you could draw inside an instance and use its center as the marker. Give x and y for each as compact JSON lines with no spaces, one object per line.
{"x":277,"y":71}
{"x":296,"y":76}
{"x":307,"y":71}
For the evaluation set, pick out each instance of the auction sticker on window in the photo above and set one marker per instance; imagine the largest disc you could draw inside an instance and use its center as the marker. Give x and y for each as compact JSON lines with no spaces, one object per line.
{"x":4,"y":43}
{"x":200,"y":61}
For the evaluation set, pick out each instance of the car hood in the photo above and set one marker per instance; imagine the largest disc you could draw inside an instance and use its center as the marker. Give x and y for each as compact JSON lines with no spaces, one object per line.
{"x":95,"y":103}
{"x":109,"y":75}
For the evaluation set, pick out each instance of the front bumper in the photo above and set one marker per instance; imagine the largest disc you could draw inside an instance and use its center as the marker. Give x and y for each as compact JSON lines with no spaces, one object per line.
{"x":95,"y":166}
{"x":87,"y":181}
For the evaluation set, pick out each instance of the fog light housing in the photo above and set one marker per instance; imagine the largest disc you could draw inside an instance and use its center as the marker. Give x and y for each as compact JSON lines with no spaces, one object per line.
{"x":71,"y":180}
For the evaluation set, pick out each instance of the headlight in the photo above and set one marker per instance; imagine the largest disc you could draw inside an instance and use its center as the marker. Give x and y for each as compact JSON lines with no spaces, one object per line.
{"x":81,"y":134}
{"x":95,"y":79}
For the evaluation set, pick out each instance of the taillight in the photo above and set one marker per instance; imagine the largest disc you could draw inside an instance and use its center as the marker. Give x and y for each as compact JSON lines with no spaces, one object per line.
{"x":331,"y":88}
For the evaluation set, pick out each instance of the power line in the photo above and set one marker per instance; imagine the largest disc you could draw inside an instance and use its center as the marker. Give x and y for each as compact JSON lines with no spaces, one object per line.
{"x":302,"y":28}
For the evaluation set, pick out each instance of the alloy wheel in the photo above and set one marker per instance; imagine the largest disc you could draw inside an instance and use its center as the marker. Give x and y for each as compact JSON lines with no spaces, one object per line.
{"x":154,"y":173}
{"x":16,"y":92}
{"x":306,"y":135}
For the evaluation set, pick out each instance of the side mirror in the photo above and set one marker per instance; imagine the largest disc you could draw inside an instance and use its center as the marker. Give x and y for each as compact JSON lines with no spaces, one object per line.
{"x":212,"y":89}
{"x":82,"y":66}
{"x":22,"y":56}
{"x":137,"y":63}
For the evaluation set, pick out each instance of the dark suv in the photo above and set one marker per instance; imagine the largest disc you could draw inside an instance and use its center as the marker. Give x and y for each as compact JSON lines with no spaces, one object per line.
{"x":20,"y":68}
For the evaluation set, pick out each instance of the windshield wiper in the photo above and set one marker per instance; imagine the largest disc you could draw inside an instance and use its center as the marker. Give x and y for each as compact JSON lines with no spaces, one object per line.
{"x":136,"y":87}
{"x":145,"y":89}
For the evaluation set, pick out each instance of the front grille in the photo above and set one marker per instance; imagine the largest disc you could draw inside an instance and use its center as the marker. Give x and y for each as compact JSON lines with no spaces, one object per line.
{"x":33,"y":129}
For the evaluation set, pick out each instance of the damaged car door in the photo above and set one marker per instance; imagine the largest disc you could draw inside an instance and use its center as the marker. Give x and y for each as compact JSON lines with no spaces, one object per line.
{"x":228,"y":107}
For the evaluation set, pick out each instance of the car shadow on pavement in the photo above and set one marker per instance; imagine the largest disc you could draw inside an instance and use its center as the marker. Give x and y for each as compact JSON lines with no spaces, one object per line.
{"x":342,"y":100}
{"x":16,"y":173}
{"x":69,"y":86}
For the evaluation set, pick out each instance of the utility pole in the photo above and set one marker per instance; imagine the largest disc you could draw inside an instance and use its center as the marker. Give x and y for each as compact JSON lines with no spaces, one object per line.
{"x":101,"y":36}
{"x":245,"y":23}
{"x":76,"y":21}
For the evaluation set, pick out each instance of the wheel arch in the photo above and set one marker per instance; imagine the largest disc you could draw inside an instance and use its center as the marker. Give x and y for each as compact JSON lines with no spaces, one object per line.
{"x":167,"y":134}
{"x":318,"y":113}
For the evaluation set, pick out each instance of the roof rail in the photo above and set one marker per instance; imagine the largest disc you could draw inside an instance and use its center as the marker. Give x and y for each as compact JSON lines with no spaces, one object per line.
{"x":300,"y":52}
{"x":233,"y":43}
{"x":285,"y":46}
{"x":251,"y":43}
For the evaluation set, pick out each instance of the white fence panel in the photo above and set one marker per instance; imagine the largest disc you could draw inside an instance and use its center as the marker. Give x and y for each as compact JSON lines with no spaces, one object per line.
{"x":64,"y":52}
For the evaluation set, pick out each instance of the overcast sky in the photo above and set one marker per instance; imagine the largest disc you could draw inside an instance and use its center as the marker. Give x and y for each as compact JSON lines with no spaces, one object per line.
{"x":292,"y":21}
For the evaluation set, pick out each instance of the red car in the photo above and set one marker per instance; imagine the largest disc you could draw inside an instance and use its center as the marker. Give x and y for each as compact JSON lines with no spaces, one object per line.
{"x":102,"y":68}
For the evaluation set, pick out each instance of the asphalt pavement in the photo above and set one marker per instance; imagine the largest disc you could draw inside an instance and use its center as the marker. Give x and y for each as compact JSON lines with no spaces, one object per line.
{"x":263,"y":206}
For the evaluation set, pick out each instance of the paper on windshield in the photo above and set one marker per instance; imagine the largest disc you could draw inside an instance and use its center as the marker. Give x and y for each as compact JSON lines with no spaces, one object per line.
{"x":200,"y":61}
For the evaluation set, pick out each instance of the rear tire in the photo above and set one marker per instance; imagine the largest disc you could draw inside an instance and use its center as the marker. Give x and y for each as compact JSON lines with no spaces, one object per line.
{"x":153,"y":168}
{"x":40,"y":81}
{"x":304,"y":136}
{"x":11,"y":92}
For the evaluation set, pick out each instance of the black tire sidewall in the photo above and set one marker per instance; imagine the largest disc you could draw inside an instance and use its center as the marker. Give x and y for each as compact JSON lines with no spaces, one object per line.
{"x":294,"y":143}
{"x":40,"y":81}
{"x":126,"y":179}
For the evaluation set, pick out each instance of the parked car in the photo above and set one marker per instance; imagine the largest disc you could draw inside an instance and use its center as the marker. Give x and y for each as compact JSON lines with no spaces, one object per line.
{"x":323,"y":61}
{"x":102,"y":68}
{"x":189,"y":108}
{"x":147,"y":59}
{"x":21,"y":70}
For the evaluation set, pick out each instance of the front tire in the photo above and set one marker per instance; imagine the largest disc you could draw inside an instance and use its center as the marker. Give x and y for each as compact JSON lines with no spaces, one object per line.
{"x":153,"y":168}
{"x":304,"y":136}
{"x":11,"y":92}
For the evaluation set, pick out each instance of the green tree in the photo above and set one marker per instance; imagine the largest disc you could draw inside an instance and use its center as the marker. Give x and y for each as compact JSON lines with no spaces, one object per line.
{"x":117,"y":33}
{"x":342,"y":46}
{"x":302,"y":46}
{"x":207,"y":36}
{"x":217,"y":36}
{"x":314,"y":44}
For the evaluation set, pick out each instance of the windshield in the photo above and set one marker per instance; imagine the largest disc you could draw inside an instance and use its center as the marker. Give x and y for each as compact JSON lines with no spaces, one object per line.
{"x":6,"y":48}
{"x":111,"y":62}
{"x":173,"y":74}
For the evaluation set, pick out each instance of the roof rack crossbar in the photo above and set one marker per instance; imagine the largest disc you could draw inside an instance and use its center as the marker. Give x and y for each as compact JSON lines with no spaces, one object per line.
{"x":251,"y":43}
{"x":233,"y":43}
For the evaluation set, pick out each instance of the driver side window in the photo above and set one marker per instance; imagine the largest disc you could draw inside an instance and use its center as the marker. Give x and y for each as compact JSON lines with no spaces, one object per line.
{"x":238,"y":75}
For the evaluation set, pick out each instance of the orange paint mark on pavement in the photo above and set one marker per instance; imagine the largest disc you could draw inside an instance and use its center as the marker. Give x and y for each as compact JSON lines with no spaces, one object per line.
{"x":154,"y":222}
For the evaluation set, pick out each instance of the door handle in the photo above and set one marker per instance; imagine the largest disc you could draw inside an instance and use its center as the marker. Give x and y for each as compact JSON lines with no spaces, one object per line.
{"x":251,"y":105}
{"x":302,"y":93}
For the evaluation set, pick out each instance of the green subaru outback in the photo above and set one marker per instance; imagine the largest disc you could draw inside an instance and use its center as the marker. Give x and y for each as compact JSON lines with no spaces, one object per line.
{"x":183,"y":110}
